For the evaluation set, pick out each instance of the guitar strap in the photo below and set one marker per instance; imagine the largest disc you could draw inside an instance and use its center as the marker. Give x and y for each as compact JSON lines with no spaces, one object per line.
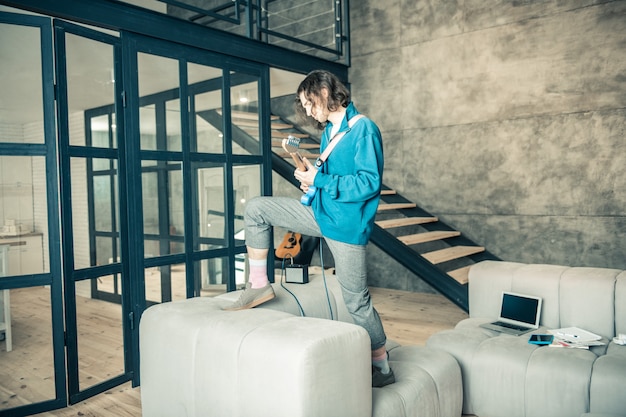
{"x":333,"y":142}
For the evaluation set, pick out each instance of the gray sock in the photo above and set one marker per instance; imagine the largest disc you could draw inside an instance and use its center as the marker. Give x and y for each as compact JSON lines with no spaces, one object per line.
{"x":383,"y":365}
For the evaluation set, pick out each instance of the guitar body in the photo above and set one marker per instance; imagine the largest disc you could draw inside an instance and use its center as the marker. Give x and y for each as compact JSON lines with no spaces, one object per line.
{"x":307,"y":198}
{"x":290,"y":246}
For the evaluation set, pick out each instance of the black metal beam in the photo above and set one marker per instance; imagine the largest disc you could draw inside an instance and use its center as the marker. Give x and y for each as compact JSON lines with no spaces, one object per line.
{"x":125,"y":17}
{"x":410,"y":259}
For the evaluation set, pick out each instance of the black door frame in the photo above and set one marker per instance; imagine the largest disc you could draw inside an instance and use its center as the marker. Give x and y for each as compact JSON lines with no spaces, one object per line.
{"x":47,"y":150}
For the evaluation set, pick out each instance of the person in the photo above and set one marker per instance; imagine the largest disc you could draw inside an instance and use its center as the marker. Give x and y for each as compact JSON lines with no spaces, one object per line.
{"x":342,"y":210}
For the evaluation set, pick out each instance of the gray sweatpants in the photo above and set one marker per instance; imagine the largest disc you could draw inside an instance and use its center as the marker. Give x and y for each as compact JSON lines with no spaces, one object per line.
{"x":350,"y":260}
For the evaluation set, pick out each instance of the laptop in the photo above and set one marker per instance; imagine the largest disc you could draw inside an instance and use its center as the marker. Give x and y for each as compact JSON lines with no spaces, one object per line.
{"x":519,"y":314}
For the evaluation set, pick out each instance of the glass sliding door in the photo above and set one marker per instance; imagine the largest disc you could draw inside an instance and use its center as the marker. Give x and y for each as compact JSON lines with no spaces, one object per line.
{"x":160,"y":134}
{"x":198,"y":167}
{"x":96,"y":301}
{"x":31,"y":303}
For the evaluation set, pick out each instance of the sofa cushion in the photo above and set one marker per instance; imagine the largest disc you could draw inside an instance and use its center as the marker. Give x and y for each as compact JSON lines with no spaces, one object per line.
{"x":558,"y":373}
{"x":607,"y":382}
{"x":489,"y":278}
{"x":499,"y":371}
{"x":428,"y":383}
{"x":311,"y":299}
{"x":542,"y":281}
{"x":587,"y":299}
{"x":461,"y":342}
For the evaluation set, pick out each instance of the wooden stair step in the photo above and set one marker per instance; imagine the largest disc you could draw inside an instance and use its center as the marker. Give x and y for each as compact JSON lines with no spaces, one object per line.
{"x":461,"y":275}
{"x":281,"y":126}
{"x":310,"y":156}
{"x":275,"y":134}
{"x":428,"y":236}
{"x":279,"y":144}
{"x":395,"y":206}
{"x":238,"y":114}
{"x":254,"y":123}
{"x":453,"y":252}
{"x":282,"y":135}
{"x":405,"y":221}
{"x":387,"y":192}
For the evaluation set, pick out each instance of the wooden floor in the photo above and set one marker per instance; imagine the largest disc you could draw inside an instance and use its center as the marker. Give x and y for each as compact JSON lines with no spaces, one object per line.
{"x":409,"y":318}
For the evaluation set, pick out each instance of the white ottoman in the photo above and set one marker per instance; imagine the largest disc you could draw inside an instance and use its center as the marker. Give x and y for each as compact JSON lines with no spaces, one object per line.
{"x":198,"y":360}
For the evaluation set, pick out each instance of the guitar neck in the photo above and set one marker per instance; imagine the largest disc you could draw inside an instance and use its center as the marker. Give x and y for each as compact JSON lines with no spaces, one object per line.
{"x":297,"y":158}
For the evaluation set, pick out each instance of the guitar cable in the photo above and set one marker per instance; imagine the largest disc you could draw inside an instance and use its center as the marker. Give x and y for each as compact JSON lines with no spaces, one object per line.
{"x":330,"y":308}
{"x":282,"y":284}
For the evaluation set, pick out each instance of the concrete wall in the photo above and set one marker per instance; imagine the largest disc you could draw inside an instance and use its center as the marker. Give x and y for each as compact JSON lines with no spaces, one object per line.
{"x":504,"y":118}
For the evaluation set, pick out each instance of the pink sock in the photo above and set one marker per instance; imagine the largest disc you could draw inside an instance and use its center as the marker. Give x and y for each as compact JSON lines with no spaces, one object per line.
{"x":258,"y":273}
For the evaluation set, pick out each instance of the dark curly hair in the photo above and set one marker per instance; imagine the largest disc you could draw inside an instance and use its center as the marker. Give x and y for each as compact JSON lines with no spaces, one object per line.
{"x":312,"y":85}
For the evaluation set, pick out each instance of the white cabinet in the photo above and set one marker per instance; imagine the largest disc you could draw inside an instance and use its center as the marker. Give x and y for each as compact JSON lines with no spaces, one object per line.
{"x":19,"y":255}
{"x":25,"y":255}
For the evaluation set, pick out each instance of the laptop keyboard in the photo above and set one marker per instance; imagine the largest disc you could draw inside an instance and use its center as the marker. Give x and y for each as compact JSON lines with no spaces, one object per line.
{"x":510,"y":326}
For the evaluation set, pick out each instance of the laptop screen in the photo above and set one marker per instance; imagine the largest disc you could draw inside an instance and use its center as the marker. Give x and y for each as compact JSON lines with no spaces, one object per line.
{"x":521,"y":308}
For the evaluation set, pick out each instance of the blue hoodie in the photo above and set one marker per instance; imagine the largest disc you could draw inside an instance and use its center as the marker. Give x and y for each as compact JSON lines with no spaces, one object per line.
{"x":349,"y":182}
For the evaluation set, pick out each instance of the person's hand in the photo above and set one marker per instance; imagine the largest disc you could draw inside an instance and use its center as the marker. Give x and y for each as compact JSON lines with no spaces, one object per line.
{"x":307,"y":177}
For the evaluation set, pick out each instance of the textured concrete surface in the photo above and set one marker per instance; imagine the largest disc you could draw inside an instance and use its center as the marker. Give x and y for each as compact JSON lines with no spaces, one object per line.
{"x":506,"y":119}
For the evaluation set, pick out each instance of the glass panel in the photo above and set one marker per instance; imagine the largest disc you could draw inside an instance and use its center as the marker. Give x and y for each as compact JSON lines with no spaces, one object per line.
{"x":103,"y":131}
{"x":246,"y":185}
{"x":160,"y":105}
{"x":23,"y":380}
{"x":102,"y":195}
{"x":176,"y":204}
{"x":210,"y":201}
{"x":214,"y":274}
{"x":23,"y":212}
{"x":147,"y":122}
{"x":100,"y":339}
{"x":150,"y":184}
{"x":245,"y":115}
{"x":205,"y":86}
{"x":104,"y":202}
{"x":104,"y":251}
{"x":21,"y":108}
{"x":165,"y":283}
{"x":209,"y":138}
{"x":172,"y":125}
{"x":110,"y":284}
{"x":163,"y":208}
{"x":106,"y":213}
{"x":91,"y":84}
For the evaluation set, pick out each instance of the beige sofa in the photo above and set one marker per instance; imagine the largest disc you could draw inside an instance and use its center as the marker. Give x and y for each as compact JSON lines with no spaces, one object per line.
{"x":198,"y":360}
{"x":504,"y":376}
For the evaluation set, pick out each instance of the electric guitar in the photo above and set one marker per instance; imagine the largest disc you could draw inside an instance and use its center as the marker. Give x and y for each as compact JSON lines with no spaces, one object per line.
{"x":291,"y":145}
{"x":290,"y":246}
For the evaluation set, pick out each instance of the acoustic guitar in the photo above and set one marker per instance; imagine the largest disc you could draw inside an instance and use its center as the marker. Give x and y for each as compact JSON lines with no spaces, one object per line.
{"x":291,"y":145}
{"x":290,"y":246}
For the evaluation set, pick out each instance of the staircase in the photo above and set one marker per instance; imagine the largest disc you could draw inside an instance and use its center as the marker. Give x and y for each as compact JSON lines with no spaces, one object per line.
{"x":438,"y":254}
